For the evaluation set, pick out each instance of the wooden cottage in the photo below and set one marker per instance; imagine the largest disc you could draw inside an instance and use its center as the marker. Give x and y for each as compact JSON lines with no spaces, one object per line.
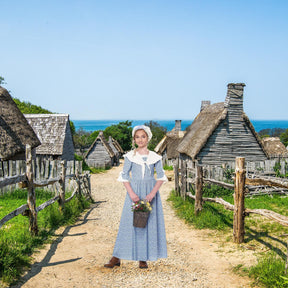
{"x":168,"y":144}
{"x":274,"y":147}
{"x":118,"y":151}
{"x":15,"y":131}
{"x":221,"y":132}
{"x":100,"y":153}
{"x":55,"y":135}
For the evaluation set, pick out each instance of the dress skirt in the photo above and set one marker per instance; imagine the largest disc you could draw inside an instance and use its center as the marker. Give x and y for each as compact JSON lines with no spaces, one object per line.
{"x":142,"y":244}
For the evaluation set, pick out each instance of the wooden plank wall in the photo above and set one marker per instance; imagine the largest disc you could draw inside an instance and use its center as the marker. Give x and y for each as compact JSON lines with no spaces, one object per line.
{"x":42,"y":169}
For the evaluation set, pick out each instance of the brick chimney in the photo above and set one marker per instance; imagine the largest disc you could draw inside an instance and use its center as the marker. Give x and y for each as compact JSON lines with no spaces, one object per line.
{"x":204,"y":104}
{"x":177,"y":125}
{"x":234,"y":98}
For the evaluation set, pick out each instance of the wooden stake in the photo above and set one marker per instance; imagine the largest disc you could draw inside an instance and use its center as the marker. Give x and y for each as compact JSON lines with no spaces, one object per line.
{"x":31,"y":201}
{"x":238,"y":219}
{"x":62,"y":186}
{"x":176,"y":173}
{"x":199,"y":190}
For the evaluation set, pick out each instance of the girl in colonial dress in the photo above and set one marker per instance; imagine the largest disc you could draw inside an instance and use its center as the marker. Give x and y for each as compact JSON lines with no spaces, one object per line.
{"x":133,"y":243}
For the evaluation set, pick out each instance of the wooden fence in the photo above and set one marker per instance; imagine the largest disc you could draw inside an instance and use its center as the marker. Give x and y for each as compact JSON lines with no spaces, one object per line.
{"x":240,"y":187}
{"x":60,"y":175}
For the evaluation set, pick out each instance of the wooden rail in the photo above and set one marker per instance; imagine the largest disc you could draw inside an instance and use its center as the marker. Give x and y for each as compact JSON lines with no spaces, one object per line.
{"x":240,"y":187}
{"x":26,"y":181}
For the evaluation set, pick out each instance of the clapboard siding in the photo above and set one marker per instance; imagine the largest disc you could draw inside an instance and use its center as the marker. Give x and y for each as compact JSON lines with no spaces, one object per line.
{"x":98,"y":156}
{"x":221,"y":132}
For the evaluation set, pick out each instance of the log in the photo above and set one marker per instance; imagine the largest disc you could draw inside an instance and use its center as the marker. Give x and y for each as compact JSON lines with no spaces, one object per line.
{"x":47,"y":203}
{"x":12,"y":180}
{"x":73,"y":194}
{"x":266,"y":182}
{"x":283,"y":220}
{"x":227,"y":205}
{"x":239,"y":200}
{"x":43,"y":183}
{"x":219,"y":183}
{"x":13,"y":214}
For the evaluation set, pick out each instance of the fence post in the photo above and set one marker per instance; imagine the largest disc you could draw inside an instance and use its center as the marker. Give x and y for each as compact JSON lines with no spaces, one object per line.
{"x":78,"y":182}
{"x":62,"y":186}
{"x":183,"y":178}
{"x":31,"y":201}
{"x":176,"y":176}
{"x":238,"y":218}
{"x":198,"y":190}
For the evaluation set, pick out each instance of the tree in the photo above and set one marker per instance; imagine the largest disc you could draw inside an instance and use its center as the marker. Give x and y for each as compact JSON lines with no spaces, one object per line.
{"x":122,"y":133}
{"x":284,"y":137}
{"x":2,"y":80}
{"x":158,"y":132}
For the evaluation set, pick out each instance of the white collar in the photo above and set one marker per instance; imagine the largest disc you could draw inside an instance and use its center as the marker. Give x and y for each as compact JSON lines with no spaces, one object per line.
{"x":137,"y":158}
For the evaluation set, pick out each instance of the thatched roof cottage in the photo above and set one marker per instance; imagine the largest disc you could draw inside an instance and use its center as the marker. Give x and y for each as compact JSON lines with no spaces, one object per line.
{"x":100,"y":153}
{"x":221,"y":132}
{"x":15,"y":131}
{"x":55,"y":135}
{"x":168,"y":144}
{"x":274,"y":147}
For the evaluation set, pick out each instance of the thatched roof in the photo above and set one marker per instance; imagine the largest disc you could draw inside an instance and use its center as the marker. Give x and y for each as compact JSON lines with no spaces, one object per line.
{"x":274,"y":147}
{"x":170,"y":142}
{"x":204,"y":125}
{"x":15,"y":132}
{"x":201,"y":129}
{"x":101,"y":138}
{"x":51,"y":129}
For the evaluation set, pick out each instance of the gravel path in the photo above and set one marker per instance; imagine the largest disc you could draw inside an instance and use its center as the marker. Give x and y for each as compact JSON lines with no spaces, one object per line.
{"x":76,"y":258}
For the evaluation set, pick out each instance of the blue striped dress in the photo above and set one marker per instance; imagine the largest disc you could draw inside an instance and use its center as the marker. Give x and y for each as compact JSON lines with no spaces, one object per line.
{"x":149,"y":243}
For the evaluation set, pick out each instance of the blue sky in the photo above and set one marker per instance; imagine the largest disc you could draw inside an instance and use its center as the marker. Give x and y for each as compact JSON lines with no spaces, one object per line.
{"x":145,"y":59}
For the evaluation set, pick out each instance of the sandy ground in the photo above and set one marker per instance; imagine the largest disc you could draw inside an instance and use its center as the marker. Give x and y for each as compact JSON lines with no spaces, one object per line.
{"x":76,"y":258}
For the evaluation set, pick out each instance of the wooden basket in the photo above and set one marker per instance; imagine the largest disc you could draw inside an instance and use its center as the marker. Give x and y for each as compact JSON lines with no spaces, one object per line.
{"x":140,"y":219}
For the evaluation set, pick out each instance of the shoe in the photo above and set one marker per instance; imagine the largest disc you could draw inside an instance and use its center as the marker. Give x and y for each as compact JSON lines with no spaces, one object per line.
{"x":143,"y":265}
{"x":114,"y":261}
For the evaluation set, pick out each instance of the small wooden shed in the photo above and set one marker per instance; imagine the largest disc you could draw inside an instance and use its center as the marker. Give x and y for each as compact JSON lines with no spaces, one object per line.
{"x":274,"y":147}
{"x":55,"y":135}
{"x":221,"y":132}
{"x":118,"y":151}
{"x":15,"y":131}
{"x":168,"y":144}
{"x":100,"y":154}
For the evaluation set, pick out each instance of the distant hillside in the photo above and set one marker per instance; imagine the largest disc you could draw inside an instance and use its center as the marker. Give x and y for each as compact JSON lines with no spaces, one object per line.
{"x":28,"y":108}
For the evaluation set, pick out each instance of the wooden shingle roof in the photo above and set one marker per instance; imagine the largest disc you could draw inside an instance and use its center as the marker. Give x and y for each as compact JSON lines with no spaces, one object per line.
{"x":15,"y":131}
{"x":51,"y":130}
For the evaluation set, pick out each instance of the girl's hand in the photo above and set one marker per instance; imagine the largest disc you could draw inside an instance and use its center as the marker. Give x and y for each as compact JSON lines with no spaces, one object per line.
{"x":149,"y":197}
{"x":134,"y":198}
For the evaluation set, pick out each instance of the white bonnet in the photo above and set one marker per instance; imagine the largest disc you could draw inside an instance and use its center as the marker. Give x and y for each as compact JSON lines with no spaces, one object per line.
{"x":142,"y":127}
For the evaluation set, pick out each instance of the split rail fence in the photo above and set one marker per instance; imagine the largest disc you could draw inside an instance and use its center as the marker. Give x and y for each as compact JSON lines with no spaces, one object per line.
{"x":58,"y":178}
{"x":242,"y":186}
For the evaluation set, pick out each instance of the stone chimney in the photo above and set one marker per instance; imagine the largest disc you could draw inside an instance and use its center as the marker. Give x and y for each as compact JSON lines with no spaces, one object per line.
{"x":177,"y":125}
{"x":234,"y":98}
{"x":204,"y":104}
{"x":110,"y":139}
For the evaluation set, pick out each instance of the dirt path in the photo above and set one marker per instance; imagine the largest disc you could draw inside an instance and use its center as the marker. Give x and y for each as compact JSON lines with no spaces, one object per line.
{"x":76,"y":258}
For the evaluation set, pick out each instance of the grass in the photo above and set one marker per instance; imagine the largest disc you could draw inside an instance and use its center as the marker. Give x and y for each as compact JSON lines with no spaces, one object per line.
{"x":261,"y":233}
{"x":16,"y":242}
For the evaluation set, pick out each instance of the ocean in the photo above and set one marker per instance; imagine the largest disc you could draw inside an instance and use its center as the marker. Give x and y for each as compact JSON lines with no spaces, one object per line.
{"x":93,"y":125}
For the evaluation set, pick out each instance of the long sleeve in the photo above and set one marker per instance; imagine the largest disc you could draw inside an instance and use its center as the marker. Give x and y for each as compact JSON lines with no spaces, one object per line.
{"x":124,"y":175}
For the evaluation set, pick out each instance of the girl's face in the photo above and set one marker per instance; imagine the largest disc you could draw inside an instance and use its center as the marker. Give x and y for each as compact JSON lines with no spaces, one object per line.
{"x":141,"y":138}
